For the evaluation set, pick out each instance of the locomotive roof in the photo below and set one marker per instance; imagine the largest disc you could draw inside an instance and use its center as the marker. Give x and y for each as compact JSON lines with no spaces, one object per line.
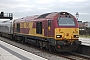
{"x":26,"y":18}
{"x":38,"y":17}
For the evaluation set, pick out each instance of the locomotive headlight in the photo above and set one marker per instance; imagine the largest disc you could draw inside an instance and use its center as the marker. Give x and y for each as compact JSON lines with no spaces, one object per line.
{"x":76,"y":36}
{"x":58,"y":36}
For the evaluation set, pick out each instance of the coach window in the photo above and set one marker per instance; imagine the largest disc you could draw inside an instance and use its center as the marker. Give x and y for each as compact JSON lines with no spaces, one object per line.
{"x":39,"y":28}
{"x":18,"y":27}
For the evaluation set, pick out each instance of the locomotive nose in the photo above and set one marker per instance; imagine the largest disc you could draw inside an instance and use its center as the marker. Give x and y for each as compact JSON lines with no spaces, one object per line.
{"x":66,"y":33}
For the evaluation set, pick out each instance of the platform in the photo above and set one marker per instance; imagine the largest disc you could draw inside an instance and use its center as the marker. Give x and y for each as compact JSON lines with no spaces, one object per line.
{"x":85,"y":41}
{"x":9,"y":52}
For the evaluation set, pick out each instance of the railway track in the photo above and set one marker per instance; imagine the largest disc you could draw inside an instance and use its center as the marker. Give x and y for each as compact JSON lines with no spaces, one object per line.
{"x":75,"y":56}
{"x":46,"y":54}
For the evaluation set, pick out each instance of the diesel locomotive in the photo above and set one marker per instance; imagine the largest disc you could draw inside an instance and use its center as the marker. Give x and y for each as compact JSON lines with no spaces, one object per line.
{"x":57,"y":31}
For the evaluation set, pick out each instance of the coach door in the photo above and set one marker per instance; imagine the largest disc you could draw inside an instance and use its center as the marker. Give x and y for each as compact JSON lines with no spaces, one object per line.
{"x":18,"y":27}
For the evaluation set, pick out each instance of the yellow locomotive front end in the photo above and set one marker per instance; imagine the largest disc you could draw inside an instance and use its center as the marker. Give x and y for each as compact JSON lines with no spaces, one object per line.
{"x":69,"y":34}
{"x":67,"y":39}
{"x":66,"y":33}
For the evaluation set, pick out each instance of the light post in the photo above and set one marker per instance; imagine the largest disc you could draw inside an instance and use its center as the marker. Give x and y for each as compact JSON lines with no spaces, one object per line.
{"x":77,"y":15}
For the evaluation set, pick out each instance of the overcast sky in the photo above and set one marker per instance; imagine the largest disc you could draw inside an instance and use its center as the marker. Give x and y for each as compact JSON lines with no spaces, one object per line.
{"x":22,"y":8}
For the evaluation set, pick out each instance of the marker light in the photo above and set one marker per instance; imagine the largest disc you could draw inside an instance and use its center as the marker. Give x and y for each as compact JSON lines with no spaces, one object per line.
{"x":63,"y":13}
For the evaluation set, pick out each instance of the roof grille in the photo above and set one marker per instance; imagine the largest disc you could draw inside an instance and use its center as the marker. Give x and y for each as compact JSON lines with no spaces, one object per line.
{"x":43,"y":15}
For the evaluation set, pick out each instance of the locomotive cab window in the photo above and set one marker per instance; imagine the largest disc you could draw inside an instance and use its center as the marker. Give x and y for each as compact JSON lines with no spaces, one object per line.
{"x":18,"y":27}
{"x":49,"y":23}
{"x":39,"y":28}
{"x":66,"y":21}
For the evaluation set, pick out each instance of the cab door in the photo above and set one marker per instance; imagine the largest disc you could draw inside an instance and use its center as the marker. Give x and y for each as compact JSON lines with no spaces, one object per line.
{"x":47,"y":27}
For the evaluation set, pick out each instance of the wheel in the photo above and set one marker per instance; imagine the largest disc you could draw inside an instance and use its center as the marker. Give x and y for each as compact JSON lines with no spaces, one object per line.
{"x":22,"y":40}
{"x":41,"y":47}
{"x":49,"y":47}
